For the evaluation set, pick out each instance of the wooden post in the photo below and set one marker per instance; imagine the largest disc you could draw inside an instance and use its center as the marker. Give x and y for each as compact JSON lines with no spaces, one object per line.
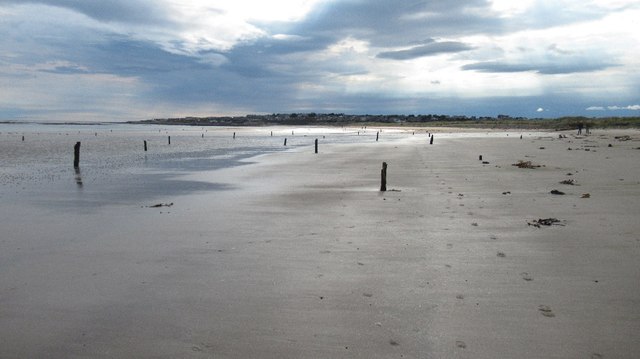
{"x":22,"y":138}
{"x":76,"y":155}
{"x":271,"y":133}
{"x":169,"y":139}
{"x":285,"y":141}
{"x":431,"y":140}
{"x":377,"y":135}
{"x":145,"y":145}
{"x":203,"y":135}
{"x":316,"y":145}
{"x":383,"y":177}
{"x":234,"y":135}
{"x":480,"y":158}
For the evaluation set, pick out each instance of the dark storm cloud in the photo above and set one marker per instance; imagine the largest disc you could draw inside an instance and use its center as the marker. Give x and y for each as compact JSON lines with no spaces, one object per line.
{"x":399,"y":23}
{"x":125,"y":11}
{"x":545,"y":69}
{"x":431,"y":49}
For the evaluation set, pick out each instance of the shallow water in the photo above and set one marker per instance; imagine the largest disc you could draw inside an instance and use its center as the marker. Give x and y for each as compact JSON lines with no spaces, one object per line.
{"x":115,"y":169}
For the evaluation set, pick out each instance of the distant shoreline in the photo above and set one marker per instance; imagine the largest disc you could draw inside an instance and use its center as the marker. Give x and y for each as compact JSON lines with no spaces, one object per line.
{"x":501,"y":122}
{"x":343,"y":120}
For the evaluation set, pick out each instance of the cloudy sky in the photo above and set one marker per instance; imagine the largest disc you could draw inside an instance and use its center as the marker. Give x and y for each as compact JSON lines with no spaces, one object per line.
{"x":86,"y":60}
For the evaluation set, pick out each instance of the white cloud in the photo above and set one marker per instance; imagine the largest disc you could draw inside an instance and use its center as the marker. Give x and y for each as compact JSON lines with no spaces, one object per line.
{"x":621,"y":108}
{"x":614,"y":108}
{"x":204,"y":25}
{"x":510,"y":8}
{"x":540,"y":109}
{"x":252,"y":10}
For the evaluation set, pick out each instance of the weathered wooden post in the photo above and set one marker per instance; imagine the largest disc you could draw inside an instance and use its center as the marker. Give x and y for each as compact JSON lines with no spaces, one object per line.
{"x":22,"y":138}
{"x":234,"y":135}
{"x":377,"y":135}
{"x":383,"y":177}
{"x":431,"y":140}
{"x":480,"y":158}
{"x":285,"y":141}
{"x":169,"y":139}
{"x":145,"y":145}
{"x":316,"y":145}
{"x":271,"y":133}
{"x":76,"y":155}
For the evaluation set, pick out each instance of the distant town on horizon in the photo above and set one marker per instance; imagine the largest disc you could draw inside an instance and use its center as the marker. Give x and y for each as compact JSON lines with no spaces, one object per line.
{"x":341,"y":119}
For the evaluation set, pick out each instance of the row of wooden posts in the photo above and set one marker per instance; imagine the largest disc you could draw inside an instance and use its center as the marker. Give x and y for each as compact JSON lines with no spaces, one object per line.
{"x":76,"y":148}
{"x":383,"y":172}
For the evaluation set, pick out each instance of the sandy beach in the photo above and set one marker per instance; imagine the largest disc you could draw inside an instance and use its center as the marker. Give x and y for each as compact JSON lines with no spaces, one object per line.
{"x":299,"y":255}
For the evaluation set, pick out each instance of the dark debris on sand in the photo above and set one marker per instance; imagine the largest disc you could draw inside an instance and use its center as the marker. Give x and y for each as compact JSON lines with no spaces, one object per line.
{"x":161,"y":205}
{"x":525,"y":164}
{"x":545,"y":222}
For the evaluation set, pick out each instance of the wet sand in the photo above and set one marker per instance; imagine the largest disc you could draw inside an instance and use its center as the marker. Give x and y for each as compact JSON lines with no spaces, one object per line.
{"x":298,"y":255}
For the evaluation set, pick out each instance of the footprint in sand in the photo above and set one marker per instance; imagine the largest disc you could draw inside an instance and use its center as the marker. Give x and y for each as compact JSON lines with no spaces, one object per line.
{"x":501,"y":254}
{"x":461,"y":344}
{"x":546,"y":311}
{"x":449,"y":245}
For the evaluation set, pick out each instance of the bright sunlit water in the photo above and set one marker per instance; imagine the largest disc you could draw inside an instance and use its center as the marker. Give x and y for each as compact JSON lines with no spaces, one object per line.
{"x":115,"y":169}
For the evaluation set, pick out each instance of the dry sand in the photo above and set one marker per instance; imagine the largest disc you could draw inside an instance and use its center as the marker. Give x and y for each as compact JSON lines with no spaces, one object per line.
{"x":300,"y":256}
